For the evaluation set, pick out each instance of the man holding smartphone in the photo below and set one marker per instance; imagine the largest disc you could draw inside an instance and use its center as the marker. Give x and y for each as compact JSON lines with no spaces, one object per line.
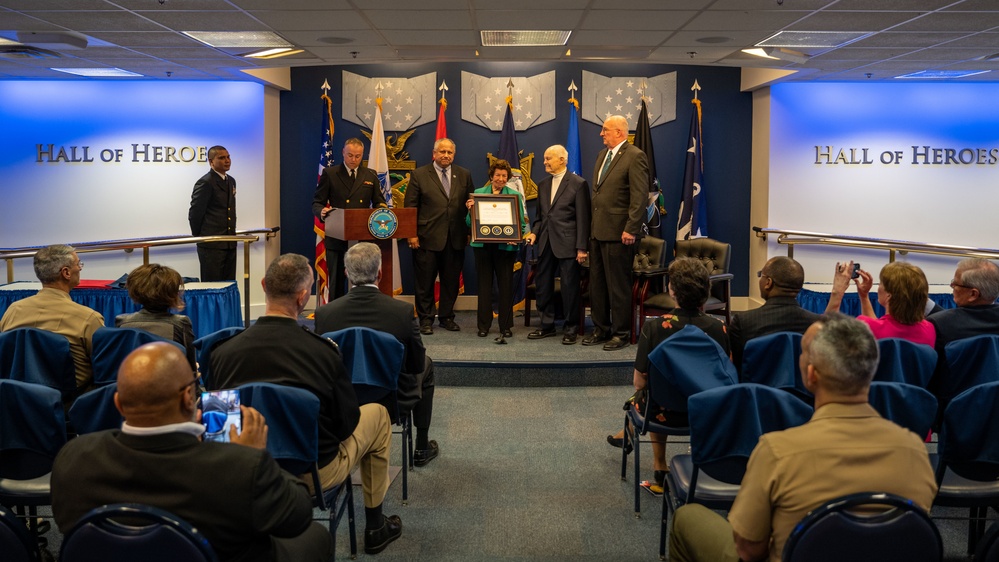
{"x":245,"y":505}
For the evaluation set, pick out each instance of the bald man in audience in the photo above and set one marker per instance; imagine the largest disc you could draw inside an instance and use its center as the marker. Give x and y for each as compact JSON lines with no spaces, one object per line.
{"x":276,"y":349}
{"x":845,"y":448}
{"x":58,"y":268}
{"x":781,"y":280}
{"x":234,"y":493}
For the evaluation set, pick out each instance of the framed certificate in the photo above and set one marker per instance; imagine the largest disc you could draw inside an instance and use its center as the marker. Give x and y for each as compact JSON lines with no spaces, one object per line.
{"x":495,"y":218}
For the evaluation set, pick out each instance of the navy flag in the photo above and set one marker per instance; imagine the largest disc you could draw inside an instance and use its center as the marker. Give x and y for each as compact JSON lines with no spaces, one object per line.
{"x":693,"y":210}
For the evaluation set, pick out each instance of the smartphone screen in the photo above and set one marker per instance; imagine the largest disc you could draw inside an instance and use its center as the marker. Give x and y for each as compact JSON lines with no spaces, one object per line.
{"x":219,"y":412}
{"x":856,"y":271}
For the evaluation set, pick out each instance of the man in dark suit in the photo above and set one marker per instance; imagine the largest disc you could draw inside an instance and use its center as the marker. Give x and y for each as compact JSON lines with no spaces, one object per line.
{"x":276,"y":349}
{"x":365,"y":306}
{"x":347,"y":186}
{"x":780,"y":282}
{"x":619,"y":199}
{"x":439,"y":191}
{"x":234,"y":493}
{"x":561,"y":230}
{"x":213,"y":211}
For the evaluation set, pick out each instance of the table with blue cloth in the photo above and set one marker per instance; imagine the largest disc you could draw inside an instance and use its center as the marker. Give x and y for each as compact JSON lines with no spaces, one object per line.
{"x":210,"y":306}
{"x":815,"y":297}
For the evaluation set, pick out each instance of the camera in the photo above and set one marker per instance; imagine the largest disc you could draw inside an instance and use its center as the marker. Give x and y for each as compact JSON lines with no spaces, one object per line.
{"x":856,"y":271}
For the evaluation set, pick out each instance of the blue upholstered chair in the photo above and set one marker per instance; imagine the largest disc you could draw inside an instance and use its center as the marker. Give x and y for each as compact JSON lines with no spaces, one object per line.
{"x":39,"y":357}
{"x":837,"y":531}
{"x":95,"y":410}
{"x":772,"y":360}
{"x":968,"y":456}
{"x":905,"y":361}
{"x":16,"y":543}
{"x":682,"y":365}
{"x":203,"y":346}
{"x":374,"y":360}
{"x":970,"y":362}
{"x":725,"y":425}
{"x":112,"y":345}
{"x":292,"y":416}
{"x":134,"y":532}
{"x":907,"y":405}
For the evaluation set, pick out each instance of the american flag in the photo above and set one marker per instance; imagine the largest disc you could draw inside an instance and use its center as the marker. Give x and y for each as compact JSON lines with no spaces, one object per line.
{"x":325,"y":159}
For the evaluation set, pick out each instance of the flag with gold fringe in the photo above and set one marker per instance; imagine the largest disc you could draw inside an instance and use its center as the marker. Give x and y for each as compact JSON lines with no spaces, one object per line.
{"x":325,"y":159}
{"x":692,"y":222}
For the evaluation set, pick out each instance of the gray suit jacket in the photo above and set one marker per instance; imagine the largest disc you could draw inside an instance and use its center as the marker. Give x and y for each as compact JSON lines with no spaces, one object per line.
{"x":440,"y":220}
{"x":565,"y":222}
{"x":620,"y":199}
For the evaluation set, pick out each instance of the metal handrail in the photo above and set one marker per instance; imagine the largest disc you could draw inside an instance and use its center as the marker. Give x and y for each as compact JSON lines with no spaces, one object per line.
{"x":790,"y":238}
{"x":247,"y":237}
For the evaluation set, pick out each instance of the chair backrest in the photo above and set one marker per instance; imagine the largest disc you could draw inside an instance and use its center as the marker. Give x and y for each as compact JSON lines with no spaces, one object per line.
{"x":95,"y":410}
{"x":373,"y":360}
{"x":726,"y":424}
{"x":39,"y":357}
{"x":204,"y":346}
{"x":112,"y":345}
{"x":134,"y":532}
{"x":32,"y":429}
{"x":970,"y":362}
{"x":967,"y":442}
{"x":16,"y":543}
{"x":772,"y":360}
{"x":904,"y":361}
{"x":292,"y":416}
{"x":686,"y":363}
{"x":907,"y":405}
{"x":651,"y":254}
{"x":716,"y":255}
{"x":838,"y":531}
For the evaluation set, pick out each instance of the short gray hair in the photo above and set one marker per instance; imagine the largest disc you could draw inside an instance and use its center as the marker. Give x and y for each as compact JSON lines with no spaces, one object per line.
{"x":981,"y":274}
{"x":845,"y":352}
{"x":286,"y":276}
{"x":50,"y":260}
{"x":437,"y":143}
{"x":559,"y":151}
{"x":362,"y":262}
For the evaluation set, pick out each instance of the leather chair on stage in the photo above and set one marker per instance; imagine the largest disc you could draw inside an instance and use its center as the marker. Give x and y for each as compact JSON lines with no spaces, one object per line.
{"x":374,"y":360}
{"x":648,"y":269}
{"x":134,"y":532}
{"x":844,"y":529}
{"x":717,"y":257}
{"x":38,"y":357}
{"x":725,"y":425}
{"x":905,"y":361}
{"x":292,"y":416}
{"x":682,"y":365}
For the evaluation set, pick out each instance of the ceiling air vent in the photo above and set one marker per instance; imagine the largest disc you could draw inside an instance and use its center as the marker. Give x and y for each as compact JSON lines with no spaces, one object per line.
{"x":23,"y":52}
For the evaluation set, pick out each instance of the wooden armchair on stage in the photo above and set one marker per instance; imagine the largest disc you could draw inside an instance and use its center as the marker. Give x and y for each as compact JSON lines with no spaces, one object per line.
{"x":380,"y":226}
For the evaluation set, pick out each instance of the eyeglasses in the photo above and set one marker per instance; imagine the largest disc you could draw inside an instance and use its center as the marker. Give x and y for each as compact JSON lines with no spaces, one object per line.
{"x":954,"y":284}
{"x":193,"y":382}
{"x":760,"y":273}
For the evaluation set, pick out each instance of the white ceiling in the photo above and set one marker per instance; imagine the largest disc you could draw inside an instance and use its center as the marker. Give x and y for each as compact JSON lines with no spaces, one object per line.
{"x":144,"y":36}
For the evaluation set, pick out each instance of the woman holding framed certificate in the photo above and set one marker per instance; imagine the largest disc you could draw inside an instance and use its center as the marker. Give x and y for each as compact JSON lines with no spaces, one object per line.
{"x":495,"y":258}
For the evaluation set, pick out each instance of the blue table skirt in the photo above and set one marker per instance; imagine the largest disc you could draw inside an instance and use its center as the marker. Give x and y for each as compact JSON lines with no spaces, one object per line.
{"x":817,"y":298}
{"x":211,"y":306}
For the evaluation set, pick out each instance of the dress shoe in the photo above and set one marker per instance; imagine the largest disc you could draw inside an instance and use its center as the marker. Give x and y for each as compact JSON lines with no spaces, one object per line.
{"x":617,"y":342}
{"x":619,"y":443}
{"x":427,"y":330}
{"x":376,"y":540}
{"x":450,"y":325}
{"x":507,"y":333}
{"x":483,"y":333}
{"x":542,"y":333}
{"x":569,"y":338}
{"x":595,"y":339}
{"x":422,"y":457}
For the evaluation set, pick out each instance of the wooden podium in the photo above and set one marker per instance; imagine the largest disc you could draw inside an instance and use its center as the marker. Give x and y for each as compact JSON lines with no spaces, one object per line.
{"x":352,"y":224}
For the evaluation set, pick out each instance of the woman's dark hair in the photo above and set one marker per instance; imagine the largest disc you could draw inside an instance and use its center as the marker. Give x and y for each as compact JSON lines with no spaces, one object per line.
{"x":156,"y":287}
{"x":689,"y":279}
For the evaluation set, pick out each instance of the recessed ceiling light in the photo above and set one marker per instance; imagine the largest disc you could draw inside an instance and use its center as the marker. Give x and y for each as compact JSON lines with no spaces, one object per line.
{"x":758,"y":52}
{"x":96,"y":72}
{"x":234,"y":39}
{"x":942,"y":74}
{"x":274,"y":53}
{"x":812,"y":39}
{"x":528,"y":38}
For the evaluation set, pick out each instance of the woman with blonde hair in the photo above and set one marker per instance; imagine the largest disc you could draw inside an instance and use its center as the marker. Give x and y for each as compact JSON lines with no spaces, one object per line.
{"x":159,"y":289}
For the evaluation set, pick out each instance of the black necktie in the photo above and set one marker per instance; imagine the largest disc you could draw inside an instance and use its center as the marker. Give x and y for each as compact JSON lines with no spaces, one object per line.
{"x":352,"y":175}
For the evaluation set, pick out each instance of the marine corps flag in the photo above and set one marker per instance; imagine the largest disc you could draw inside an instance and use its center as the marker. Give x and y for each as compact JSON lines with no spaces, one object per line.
{"x":693,"y":211}
{"x":325,"y":159}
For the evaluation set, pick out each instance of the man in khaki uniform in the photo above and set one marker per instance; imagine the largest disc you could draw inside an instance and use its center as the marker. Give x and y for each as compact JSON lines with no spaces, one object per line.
{"x":845,"y":448}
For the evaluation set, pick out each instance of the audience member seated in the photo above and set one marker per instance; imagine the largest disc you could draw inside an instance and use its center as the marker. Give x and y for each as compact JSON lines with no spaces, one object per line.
{"x":276,"y":349}
{"x":158,"y":289}
{"x":365,"y":306}
{"x":976,"y":287}
{"x":689,"y":285}
{"x":846,"y":448}
{"x":903,"y":292}
{"x":781,"y":280}
{"x":235,"y":494}
{"x":58,"y":268}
